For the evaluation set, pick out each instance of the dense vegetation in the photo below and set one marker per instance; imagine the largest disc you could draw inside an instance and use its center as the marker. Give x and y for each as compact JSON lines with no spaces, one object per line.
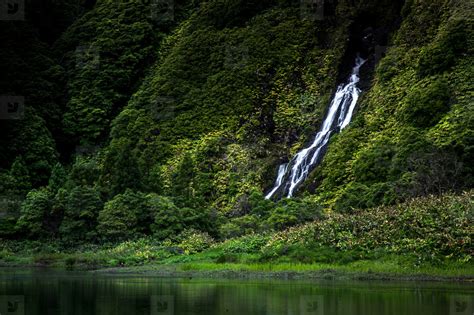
{"x":160,"y":128}
{"x":424,"y":235}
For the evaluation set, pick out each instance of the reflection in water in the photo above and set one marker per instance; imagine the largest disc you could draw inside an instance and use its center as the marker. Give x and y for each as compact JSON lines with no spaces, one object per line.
{"x":55,"y":292}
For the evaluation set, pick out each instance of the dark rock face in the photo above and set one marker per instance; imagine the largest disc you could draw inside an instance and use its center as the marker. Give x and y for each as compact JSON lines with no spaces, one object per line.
{"x":369,"y":37}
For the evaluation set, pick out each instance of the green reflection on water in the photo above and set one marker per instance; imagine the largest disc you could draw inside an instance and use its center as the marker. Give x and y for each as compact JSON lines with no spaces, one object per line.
{"x":60,"y":292}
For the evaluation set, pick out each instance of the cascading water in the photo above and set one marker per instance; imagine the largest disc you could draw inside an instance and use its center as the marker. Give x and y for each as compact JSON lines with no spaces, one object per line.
{"x":292,"y":174}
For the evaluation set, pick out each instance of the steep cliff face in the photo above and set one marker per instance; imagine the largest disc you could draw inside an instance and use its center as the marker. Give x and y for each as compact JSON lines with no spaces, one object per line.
{"x":199,"y":102}
{"x":240,"y":97}
{"x":413,"y":133}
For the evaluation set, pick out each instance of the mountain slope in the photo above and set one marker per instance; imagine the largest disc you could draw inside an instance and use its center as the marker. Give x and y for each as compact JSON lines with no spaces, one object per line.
{"x":171,"y":120}
{"x":413,"y":134}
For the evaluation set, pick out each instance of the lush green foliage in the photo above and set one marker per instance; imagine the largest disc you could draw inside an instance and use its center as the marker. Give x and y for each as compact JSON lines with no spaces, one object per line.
{"x":434,"y":229}
{"x":151,"y":139}
{"x":34,"y":212}
{"x":125,"y":216}
{"x":413,"y":134}
{"x":427,"y":235}
{"x":81,"y":209}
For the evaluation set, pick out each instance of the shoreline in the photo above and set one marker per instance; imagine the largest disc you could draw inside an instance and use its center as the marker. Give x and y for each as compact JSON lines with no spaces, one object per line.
{"x":323,"y":274}
{"x":328,"y":274}
{"x":191,"y":271}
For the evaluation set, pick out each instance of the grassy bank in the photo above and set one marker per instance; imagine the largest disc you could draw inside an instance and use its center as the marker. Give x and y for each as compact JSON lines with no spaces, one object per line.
{"x":387,"y":268}
{"x":426,"y":238}
{"x":364,"y":270}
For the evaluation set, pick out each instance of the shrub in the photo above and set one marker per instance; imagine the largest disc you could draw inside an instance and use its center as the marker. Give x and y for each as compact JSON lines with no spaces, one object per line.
{"x":230,"y":230}
{"x":227,"y":258}
{"x":243,"y":225}
{"x":435,"y":59}
{"x":135,"y":252}
{"x":259,"y":205}
{"x":373,"y":162}
{"x":390,"y":65}
{"x":426,"y":103}
{"x":245,"y":244}
{"x":282,"y":217}
{"x":359,"y":196}
{"x":123,"y":217}
{"x":431,"y":228}
{"x":193,"y":241}
{"x":441,"y":55}
{"x":58,"y":178}
{"x":10,"y":207}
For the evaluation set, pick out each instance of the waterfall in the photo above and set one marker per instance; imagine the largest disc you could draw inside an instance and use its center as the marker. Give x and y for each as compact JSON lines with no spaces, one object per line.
{"x":292,"y":174}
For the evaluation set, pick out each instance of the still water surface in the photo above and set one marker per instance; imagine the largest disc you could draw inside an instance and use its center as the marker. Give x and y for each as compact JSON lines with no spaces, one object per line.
{"x":39,"y":291}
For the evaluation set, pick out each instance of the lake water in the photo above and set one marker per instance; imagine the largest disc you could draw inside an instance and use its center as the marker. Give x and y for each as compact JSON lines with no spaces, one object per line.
{"x":44,"y":292}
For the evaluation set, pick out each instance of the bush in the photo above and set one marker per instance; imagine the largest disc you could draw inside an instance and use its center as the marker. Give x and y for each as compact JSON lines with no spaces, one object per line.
{"x":373,"y":162}
{"x":10,"y":207}
{"x":431,"y":228}
{"x":125,"y":216}
{"x":243,"y":225}
{"x":359,"y":196}
{"x":282,"y":217}
{"x":441,"y":55}
{"x":290,"y":212}
{"x":426,"y":103}
{"x":230,"y":230}
{"x":390,"y":65}
{"x":227,"y":258}
{"x":193,"y":241}
{"x":245,"y":244}
{"x":434,"y":60}
{"x":135,"y":252}
{"x":167,"y":217}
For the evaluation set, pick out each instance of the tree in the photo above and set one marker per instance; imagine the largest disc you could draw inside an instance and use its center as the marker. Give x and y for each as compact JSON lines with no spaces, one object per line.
{"x":125,"y":216}
{"x":80,"y":214}
{"x":58,"y":177}
{"x":21,"y":182}
{"x":85,"y":171}
{"x":33,"y":212}
{"x":168,"y":220}
{"x":120,"y":171}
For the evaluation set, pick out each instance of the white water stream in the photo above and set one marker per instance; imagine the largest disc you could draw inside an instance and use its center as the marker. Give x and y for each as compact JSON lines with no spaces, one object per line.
{"x":292,"y":174}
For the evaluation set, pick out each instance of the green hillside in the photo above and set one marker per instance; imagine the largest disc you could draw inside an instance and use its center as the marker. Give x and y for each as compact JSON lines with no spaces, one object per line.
{"x":166,"y":121}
